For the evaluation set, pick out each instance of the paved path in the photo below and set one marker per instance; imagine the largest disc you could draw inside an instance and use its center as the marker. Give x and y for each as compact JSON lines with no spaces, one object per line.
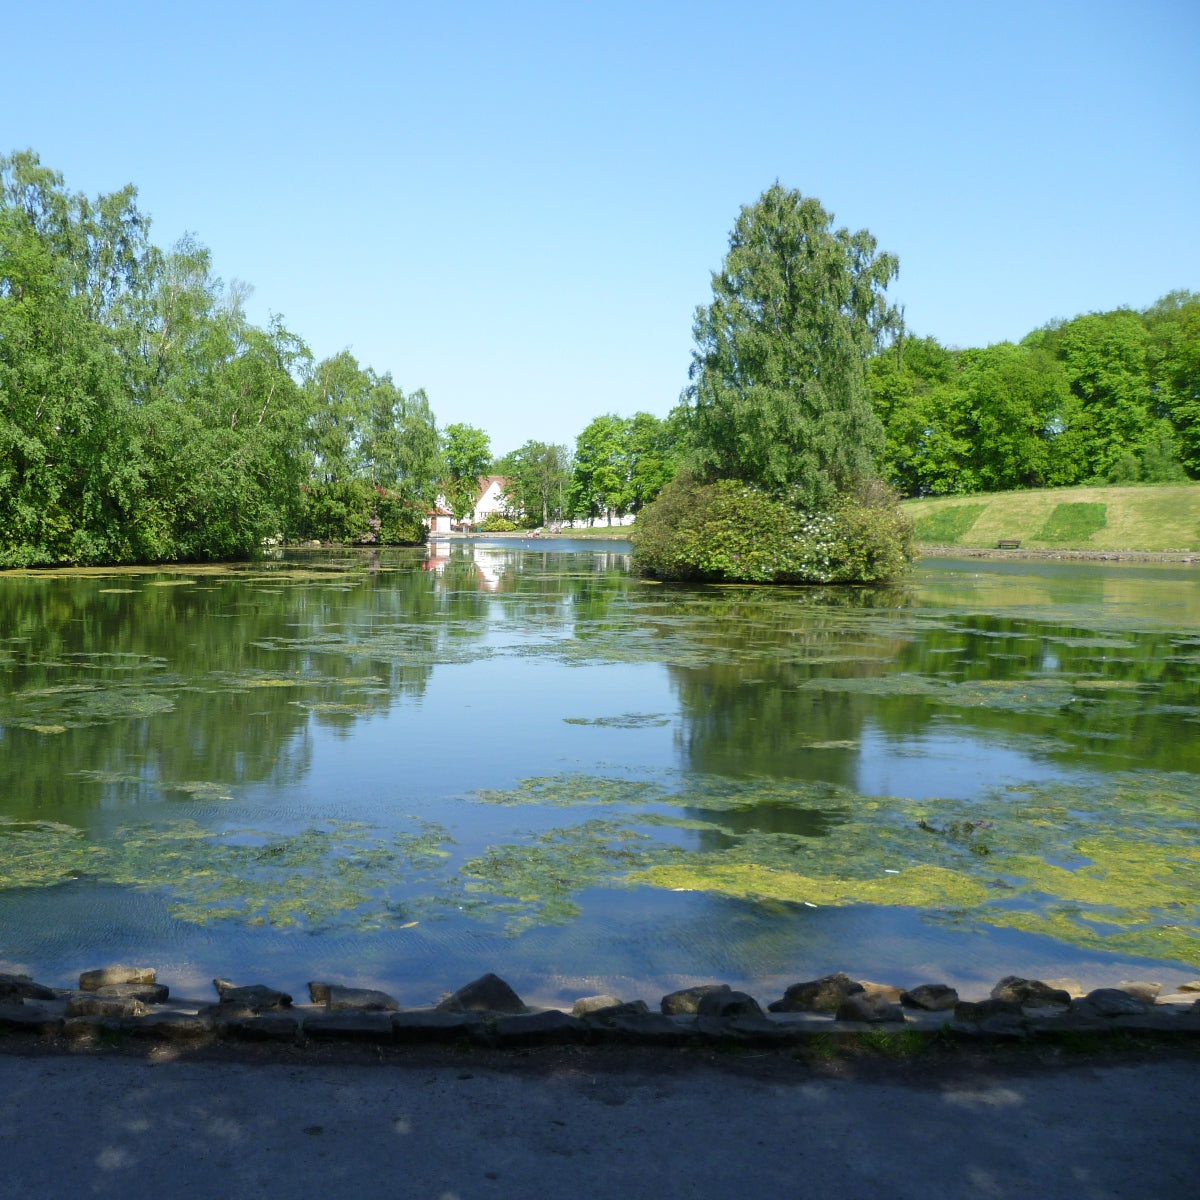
{"x":73,"y":1127}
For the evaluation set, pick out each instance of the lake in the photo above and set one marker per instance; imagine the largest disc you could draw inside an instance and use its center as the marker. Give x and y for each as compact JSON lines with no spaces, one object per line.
{"x":404,"y":768}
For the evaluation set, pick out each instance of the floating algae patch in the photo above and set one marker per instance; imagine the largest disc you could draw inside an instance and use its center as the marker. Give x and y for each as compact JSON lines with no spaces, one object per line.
{"x":918,"y":887}
{"x":199,"y":789}
{"x":44,"y":729}
{"x":1032,"y":694}
{"x":562,"y":791}
{"x":534,"y":882}
{"x":75,"y":705}
{"x":41,"y":853}
{"x":1113,"y":864}
{"x":624,"y":721}
{"x":344,"y":874}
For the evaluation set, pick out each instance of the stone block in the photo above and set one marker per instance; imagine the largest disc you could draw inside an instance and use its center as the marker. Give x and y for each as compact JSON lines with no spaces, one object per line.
{"x":1140,"y":990}
{"x":862,"y":1006}
{"x":817,"y":995}
{"x":256,"y":996}
{"x":980,"y":1010}
{"x":350,"y":1027}
{"x":488,"y":993}
{"x":431,"y":1025}
{"x":687,"y":1000}
{"x":90,"y":1028}
{"x":888,"y":991}
{"x":172,"y":1026}
{"x":641,"y":1029}
{"x":726,"y":1005}
{"x":30,"y":1018}
{"x":1033,"y":992}
{"x":89,"y":981}
{"x":348,"y":999}
{"x":1111,"y":1002}
{"x":15,"y":988}
{"x":93,"y":1005}
{"x":147,"y":993}
{"x":591,"y":1004}
{"x":537,"y":1029}
{"x":930,"y":997}
{"x":262,"y":1027}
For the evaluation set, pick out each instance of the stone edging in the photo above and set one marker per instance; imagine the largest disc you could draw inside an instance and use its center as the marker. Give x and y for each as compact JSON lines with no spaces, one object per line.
{"x":128,"y":1002}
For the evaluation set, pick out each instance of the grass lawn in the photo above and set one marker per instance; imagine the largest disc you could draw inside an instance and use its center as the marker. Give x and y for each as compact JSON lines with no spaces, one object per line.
{"x":1102,"y":518}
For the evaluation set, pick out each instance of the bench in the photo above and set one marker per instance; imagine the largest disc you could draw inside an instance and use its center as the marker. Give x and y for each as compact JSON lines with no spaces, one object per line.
{"x":1008,"y":544}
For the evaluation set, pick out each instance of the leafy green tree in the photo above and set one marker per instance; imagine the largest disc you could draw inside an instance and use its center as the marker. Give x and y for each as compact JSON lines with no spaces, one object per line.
{"x":63,"y":470}
{"x":654,"y":451}
{"x":779,"y":374}
{"x":1023,"y":414}
{"x":399,"y":444}
{"x":600,"y":477}
{"x":929,"y":430}
{"x":1173,"y":360}
{"x":338,"y":393}
{"x":538,"y":474}
{"x":467,"y":453}
{"x":1104,"y":357}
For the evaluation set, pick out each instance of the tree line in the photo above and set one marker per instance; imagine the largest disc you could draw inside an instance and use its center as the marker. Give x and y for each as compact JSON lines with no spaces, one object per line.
{"x":1110,"y":397}
{"x":143,"y":417}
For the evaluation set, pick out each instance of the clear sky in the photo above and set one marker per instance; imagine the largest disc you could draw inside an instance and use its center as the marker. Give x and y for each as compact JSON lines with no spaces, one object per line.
{"x":518,"y":206}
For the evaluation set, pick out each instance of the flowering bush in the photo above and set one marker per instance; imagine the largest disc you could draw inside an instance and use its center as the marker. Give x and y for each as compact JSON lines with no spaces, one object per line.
{"x":729,"y":531}
{"x":495,"y":523}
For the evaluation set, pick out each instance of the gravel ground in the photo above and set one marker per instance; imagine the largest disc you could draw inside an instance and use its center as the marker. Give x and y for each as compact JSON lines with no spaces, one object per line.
{"x":473,"y":1124}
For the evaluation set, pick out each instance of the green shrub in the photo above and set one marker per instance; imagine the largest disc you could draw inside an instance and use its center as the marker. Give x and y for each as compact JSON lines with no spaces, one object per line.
{"x":353,"y":510}
{"x":495,"y":523}
{"x":731,"y":532}
{"x":946,"y":525}
{"x":401,"y":523}
{"x":1073,"y":522}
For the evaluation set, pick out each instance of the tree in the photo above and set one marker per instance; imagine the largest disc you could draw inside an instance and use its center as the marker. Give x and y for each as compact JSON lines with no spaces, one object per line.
{"x":1173,"y":360}
{"x":338,"y":391}
{"x":600,"y":479}
{"x":399,"y":445}
{"x":537,"y":474}
{"x":779,"y":375}
{"x":653,"y":452}
{"x":1024,"y":417}
{"x":467,"y":453}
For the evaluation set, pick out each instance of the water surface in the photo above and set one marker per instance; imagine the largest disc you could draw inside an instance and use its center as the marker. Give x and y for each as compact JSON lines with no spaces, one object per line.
{"x":405,"y":768}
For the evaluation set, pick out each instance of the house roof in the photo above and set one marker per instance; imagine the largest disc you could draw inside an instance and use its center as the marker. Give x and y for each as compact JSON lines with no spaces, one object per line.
{"x":486,"y":481}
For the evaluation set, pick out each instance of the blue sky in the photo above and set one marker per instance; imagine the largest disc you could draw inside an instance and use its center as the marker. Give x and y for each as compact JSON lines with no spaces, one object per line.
{"x":518,"y":206}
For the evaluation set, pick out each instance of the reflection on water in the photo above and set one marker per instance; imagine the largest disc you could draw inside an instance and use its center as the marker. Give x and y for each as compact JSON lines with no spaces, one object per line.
{"x":513,"y":754}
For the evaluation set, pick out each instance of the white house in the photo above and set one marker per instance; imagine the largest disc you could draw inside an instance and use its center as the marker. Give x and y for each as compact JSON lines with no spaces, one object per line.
{"x":490,"y":498}
{"x":437,"y":521}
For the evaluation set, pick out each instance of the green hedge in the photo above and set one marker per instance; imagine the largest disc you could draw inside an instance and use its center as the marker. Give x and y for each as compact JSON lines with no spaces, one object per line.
{"x":730,"y":532}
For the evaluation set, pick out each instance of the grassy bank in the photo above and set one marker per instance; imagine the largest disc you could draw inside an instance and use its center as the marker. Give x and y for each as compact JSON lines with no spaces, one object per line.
{"x":1149,"y":518}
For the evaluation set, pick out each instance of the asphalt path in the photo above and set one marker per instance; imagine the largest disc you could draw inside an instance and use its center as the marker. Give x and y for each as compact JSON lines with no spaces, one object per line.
{"x":161,"y":1127}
